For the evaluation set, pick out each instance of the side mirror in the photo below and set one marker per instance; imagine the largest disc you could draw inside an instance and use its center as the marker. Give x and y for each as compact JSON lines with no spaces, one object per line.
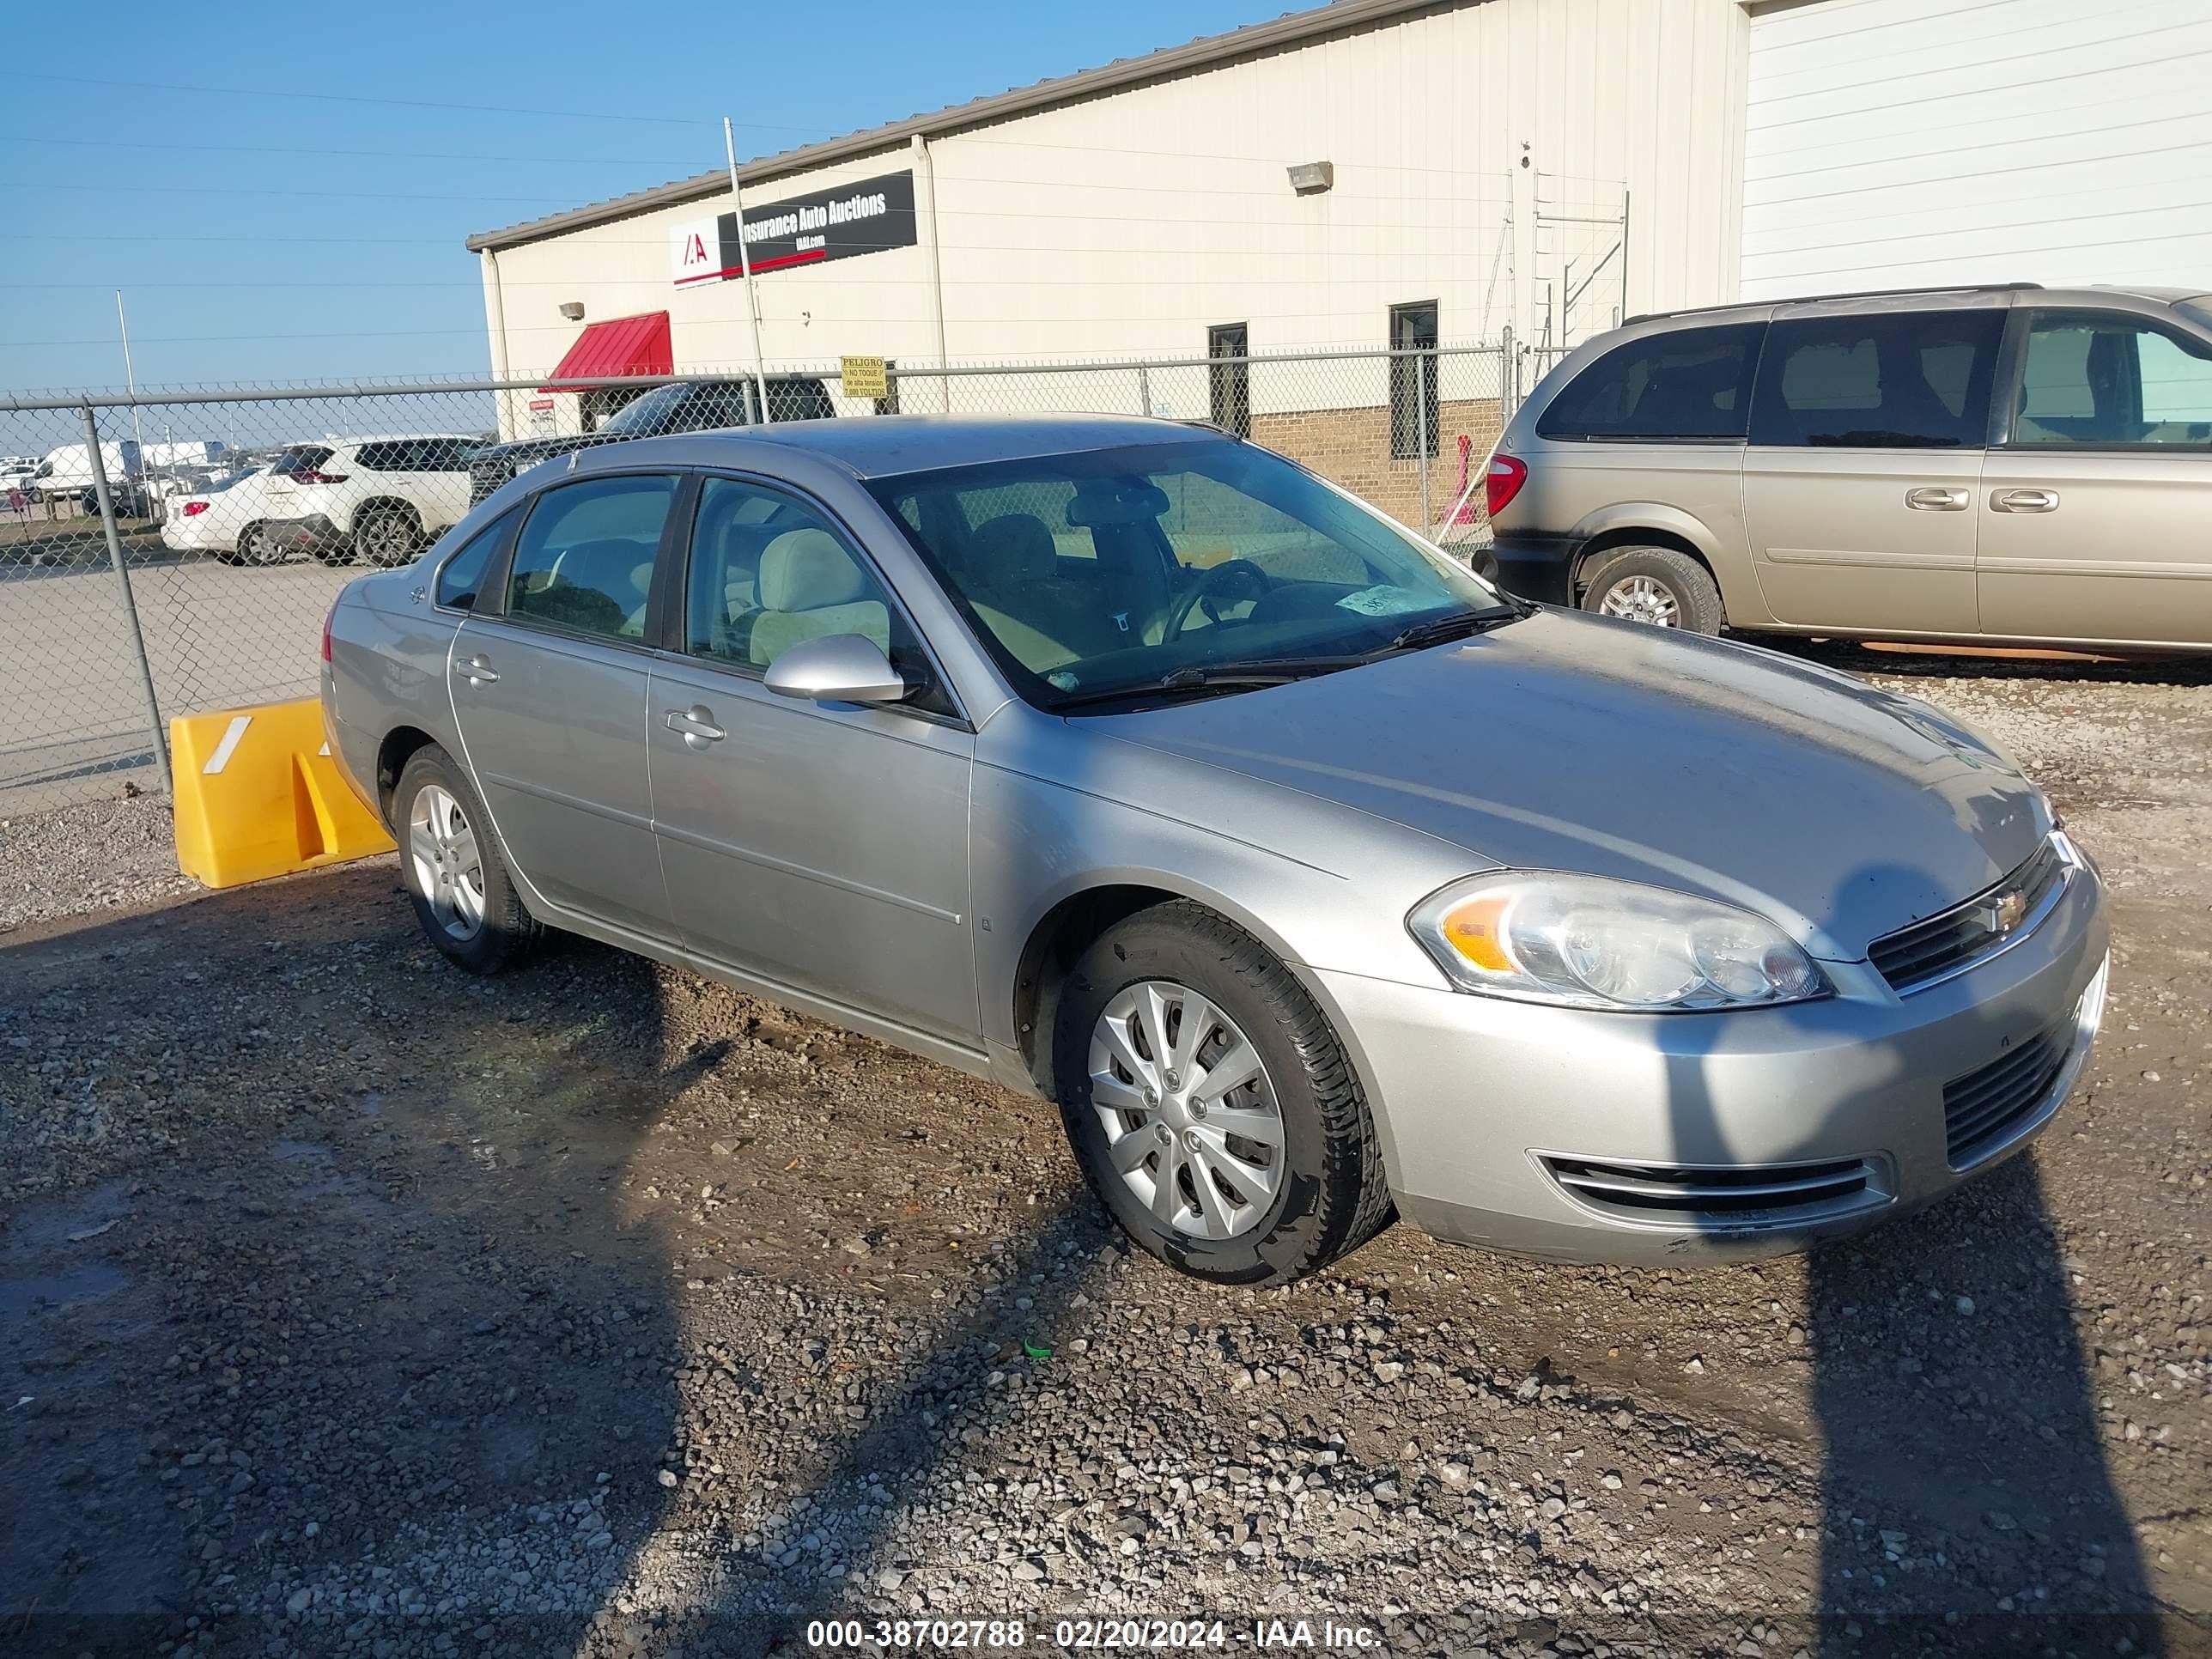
{"x":836,"y":668}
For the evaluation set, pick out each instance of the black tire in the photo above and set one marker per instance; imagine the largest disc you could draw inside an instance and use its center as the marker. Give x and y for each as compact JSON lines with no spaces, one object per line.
{"x":332,"y":553}
{"x":1687,"y":586}
{"x":388,"y":537}
{"x":1331,"y":1196}
{"x":508,"y":932}
{"x":252,"y":548}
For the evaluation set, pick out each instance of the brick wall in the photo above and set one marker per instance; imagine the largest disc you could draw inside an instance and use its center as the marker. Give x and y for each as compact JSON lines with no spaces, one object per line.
{"x":1351,"y":446}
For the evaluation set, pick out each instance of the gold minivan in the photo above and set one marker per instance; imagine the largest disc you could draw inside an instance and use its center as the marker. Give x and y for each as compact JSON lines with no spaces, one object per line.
{"x":2005,"y":464}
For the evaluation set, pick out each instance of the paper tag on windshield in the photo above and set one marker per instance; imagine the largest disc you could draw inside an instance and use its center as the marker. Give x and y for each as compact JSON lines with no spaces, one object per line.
{"x":1385,"y":600}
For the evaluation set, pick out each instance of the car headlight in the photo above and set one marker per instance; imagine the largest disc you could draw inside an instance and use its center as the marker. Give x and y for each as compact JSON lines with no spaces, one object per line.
{"x":1591,"y":942}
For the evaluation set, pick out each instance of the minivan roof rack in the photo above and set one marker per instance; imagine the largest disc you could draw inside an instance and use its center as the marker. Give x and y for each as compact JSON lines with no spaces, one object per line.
{"x":1816,"y":299}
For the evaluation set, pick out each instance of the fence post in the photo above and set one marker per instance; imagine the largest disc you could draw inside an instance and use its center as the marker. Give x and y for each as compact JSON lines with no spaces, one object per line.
{"x":1509,"y":378}
{"x":1144,"y":390}
{"x":130,"y":601}
{"x":1425,"y":370}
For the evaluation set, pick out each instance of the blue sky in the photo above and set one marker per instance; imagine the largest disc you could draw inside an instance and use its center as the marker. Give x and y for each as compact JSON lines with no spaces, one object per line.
{"x":260,"y":237}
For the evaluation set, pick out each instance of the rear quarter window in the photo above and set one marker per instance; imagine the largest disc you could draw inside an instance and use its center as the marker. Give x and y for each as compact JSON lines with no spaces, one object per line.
{"x":1689,"y":384}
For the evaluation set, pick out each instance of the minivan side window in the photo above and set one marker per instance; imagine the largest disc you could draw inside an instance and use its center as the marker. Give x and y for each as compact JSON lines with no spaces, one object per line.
{"x":2110,"y":381}
{"x":1692,"y":383}
{"x":1884,"y":381}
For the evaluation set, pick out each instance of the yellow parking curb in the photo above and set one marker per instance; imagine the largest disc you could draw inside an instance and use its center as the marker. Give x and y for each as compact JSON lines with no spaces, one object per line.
{"x":257,"y":795}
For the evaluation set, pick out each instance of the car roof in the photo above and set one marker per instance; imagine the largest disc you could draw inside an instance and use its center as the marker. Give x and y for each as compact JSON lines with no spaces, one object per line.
{"x":396,"y":438}
{"x":1954,"y":296}
{"x":884,"y":446}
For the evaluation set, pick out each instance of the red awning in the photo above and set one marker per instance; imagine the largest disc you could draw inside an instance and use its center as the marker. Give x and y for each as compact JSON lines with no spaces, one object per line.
{"x":620,"y":346}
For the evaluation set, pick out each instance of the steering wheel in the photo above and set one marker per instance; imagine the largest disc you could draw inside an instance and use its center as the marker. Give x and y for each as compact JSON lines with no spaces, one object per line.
{"x":1227,"y":583}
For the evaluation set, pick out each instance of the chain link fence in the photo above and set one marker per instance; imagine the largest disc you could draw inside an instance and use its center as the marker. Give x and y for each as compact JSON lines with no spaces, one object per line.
{"x":175,"y":552}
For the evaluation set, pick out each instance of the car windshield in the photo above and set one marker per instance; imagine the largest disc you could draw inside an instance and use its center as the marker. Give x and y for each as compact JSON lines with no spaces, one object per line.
{"x":644,"y":416}
{"x":1176,"y":567}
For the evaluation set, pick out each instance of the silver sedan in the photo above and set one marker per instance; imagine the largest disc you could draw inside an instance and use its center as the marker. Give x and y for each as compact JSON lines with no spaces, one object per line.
{"x":1317,"y":882}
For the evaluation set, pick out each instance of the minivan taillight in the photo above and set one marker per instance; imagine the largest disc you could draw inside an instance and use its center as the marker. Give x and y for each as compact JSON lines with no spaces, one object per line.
{"x":318,"y":478}
{"x":1503,"y":482}
{"x":193,"y":509}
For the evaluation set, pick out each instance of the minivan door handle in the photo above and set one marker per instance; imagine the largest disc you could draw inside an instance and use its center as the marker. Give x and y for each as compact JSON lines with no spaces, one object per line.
{"x":1937,"y":498}
{"x":2024,"y":500}
{"x":696,"y":724}
{"x":476,"y":671}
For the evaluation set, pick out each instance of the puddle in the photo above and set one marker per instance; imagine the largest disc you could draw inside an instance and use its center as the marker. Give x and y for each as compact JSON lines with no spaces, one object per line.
{"x":22,"y":1297}
{"x":46,"y":1227}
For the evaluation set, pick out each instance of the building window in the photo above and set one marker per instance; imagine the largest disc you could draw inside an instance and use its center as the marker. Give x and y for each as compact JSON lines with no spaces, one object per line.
{"x":1229,"y":385}
{"x":1413,"y":328}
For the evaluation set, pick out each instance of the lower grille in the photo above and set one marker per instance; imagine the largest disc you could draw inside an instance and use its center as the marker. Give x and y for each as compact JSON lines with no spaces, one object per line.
{"x":1741,"y":1195}
{"x":1987,"y":1107}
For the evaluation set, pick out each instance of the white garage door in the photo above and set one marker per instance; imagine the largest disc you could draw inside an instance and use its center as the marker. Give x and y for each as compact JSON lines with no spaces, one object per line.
{"x":1897,"y":143}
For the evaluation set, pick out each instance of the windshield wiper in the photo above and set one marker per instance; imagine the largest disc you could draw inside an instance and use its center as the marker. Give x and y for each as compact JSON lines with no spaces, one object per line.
{"x":1437,"y":630}
{"x":1203,"y":679}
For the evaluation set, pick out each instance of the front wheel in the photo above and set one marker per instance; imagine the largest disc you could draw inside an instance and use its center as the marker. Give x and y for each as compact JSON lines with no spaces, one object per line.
{"x":1212,"y":1108}
{"x":455,"y":869}
{"x":1658,"y":586}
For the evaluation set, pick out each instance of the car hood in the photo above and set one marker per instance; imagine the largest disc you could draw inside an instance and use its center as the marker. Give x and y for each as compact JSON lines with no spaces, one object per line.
{"x":1562,"y":742}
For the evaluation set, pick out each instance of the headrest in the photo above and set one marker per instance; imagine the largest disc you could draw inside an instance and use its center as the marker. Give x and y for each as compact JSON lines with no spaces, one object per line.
{"x":806,"y":570}
{"x":1013,"y":548}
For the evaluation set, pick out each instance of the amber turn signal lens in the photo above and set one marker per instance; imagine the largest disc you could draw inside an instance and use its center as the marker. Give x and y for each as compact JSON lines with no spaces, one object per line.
{"x":1476,"y":931}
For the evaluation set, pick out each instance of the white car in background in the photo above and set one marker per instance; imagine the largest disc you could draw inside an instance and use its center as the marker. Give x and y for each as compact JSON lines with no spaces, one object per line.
{"x":226,"y":519}
{"x":385,"y":499}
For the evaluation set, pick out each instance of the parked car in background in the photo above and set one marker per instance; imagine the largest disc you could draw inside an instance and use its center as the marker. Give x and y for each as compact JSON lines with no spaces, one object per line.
{"x":66,"y":474}
{"x":382,"y":499}
{"x":2010,"y":464}
{"x":227,"y":518}
{"x":682,"y":406}
{"x":1130,"y":763}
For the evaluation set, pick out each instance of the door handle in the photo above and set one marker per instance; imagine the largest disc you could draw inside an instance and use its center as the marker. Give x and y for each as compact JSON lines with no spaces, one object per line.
{"x":2024,"y":500}
{"x":476,"y":671}
{"x":1936,"y":498}
{"x":696,"y":724}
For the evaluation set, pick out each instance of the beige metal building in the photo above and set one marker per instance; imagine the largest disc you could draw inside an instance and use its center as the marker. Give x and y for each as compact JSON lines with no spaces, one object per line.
{"x":1370,"y":172}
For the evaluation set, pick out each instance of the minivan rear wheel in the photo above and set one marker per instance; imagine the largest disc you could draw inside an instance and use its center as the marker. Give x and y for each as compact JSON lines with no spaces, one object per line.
{"x":1209,"y":1104}
{"x":1657,"y":586}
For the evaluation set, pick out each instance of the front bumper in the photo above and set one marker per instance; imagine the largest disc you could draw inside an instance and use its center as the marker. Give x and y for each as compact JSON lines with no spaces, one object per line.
{"x":1715,"y":1135}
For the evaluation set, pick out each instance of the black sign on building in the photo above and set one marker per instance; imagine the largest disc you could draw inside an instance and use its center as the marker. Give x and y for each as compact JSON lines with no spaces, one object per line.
{"x":868,"y":216}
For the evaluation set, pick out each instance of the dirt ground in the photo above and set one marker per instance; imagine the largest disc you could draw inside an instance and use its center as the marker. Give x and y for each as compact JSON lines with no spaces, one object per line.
{"x":351,"y":1305}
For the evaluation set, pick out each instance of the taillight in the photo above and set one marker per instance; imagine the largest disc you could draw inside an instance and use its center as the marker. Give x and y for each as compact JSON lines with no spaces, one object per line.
{"x":327,"y":615}
{"x":193,"y":509}
{"x":1503,"y":482}
{"x":318,"y":478}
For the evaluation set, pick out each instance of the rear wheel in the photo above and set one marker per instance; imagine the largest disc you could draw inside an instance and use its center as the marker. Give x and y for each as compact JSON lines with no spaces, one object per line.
{"x":455,"y":869}
{"x":388,"y":535}
{"x":1657,"y":585}
{"x":1209,"y":1104}
{"x":254,"y":547}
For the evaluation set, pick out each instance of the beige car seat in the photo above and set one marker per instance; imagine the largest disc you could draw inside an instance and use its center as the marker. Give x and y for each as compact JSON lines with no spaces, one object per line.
{"x":811,"y":588}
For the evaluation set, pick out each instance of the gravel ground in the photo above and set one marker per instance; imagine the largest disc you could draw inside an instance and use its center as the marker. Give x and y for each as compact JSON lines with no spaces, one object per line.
{"x":354,"y":1306}
{"x":94,"y":856}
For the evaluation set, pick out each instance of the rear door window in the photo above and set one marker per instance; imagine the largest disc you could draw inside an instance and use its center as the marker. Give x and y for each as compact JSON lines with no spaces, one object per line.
{"x":1690,"y":384}
{"x":584,"y":561}
{"x":1886,"y":381}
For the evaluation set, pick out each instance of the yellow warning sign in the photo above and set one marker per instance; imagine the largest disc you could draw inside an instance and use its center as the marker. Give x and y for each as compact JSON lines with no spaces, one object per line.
{"x":865,"y":377}
{"x":256,"y":794}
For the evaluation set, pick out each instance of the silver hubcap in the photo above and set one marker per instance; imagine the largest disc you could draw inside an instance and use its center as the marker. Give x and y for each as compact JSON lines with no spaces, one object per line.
{"x":448,"y":872}
{"x":1642,"y":598}
{"x":1191,"y":1120}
